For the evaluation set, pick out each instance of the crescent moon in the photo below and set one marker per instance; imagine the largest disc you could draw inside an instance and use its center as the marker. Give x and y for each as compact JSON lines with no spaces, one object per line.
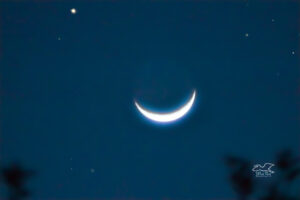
{"x":170,"y":116}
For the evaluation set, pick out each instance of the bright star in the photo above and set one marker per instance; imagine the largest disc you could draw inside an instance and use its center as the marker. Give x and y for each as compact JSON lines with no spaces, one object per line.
{"x":73,"y":11}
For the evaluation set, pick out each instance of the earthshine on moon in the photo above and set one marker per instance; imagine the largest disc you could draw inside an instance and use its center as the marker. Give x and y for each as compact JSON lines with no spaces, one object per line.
{"x":170,"y":116}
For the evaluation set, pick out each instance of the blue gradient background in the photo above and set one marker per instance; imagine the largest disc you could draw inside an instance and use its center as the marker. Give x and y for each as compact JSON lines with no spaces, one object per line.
{"x":69,"y":103}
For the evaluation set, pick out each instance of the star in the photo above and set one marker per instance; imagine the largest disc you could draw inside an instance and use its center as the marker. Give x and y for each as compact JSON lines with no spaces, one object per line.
{"x":247,"y":35}
{"x":92,"y":170}
{"x":73,"y":11}
{"x":293,"y":52}
{"x":273,"y":20}
{"x":59,"y":38}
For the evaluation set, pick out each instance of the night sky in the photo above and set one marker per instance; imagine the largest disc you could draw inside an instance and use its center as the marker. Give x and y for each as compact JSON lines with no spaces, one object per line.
{"x":69,"y":81}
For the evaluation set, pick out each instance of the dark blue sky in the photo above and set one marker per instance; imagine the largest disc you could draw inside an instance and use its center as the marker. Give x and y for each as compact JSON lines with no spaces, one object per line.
{"x":68,"y":83}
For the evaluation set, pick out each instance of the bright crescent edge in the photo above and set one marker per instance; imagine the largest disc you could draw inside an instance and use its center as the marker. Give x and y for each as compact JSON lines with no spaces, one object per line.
{"x":167,"y":117}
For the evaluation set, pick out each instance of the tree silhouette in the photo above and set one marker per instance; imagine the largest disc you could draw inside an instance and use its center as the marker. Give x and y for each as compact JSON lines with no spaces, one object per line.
{"x":15,"y":177}
{"x":244,"y":184}
{"x":241,"y":180}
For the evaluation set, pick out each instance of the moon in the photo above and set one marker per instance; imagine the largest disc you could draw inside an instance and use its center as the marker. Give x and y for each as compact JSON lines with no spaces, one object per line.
{"x":170,"y":116}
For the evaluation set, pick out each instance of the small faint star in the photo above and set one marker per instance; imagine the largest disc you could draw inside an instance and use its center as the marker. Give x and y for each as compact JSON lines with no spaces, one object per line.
{"x":247,"y":35}
{"x":73,"y":11}
{"x":293,"y":52}
{"x":71,"y":168}
{"x":92,"y":170}
{"x":273,"y":20}
{"x":59,"y":38}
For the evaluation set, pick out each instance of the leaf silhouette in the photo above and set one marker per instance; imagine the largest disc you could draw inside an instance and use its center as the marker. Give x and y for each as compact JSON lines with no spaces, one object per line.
{"x":284,"y":160}
{"x":292,"y":175}
{"x":15,"y":177}
{"x":240,"y":177}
